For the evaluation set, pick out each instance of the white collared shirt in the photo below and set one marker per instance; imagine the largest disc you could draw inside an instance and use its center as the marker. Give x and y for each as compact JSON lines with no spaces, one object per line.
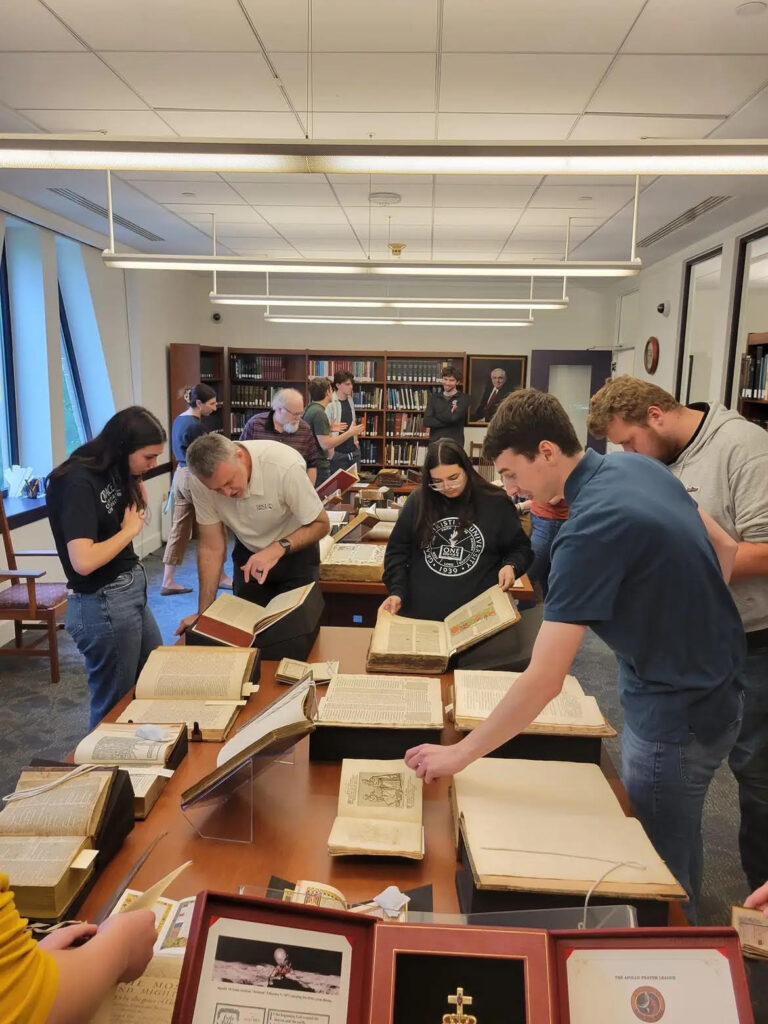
{"x":279,"y":499}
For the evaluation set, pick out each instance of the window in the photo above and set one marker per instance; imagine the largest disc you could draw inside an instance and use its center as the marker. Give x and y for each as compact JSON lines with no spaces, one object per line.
{"x":76,"y":426}
{"x":9,"y":442}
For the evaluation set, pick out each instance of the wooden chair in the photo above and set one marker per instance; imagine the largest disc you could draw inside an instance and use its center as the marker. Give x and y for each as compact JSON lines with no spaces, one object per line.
{"x":483,"y":466}
{"x":29,"y":604}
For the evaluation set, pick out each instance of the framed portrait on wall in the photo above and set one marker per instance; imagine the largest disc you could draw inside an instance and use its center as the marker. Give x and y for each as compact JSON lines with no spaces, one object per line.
{"x":490,"y":380}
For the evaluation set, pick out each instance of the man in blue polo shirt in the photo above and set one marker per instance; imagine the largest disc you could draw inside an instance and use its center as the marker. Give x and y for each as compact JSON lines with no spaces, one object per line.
{"x":646,"y":570}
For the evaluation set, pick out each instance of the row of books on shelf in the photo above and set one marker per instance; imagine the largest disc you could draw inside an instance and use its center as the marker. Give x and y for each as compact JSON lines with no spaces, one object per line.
{"x":753,"y":379}
{"x":237,"y":421}
{"x":409,"y":453}
{"x":428,"y":371}
{"x":370,"y":398}
{"x":361,"y":369}
{"x":406,"y":424}
{"x":252,"y":395}
{"x":371,"y":422}
{"x":369,"y":450}
{"x":408,"y":398}
{"x":248,"y":367}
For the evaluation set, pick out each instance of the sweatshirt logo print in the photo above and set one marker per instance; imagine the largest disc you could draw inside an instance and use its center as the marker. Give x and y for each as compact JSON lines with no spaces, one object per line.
{"x":109,"y":497}
{"x":453,"y":551}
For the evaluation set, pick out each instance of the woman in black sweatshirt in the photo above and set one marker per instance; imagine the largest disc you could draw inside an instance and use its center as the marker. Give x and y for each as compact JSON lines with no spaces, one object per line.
{"x":457,"y":536}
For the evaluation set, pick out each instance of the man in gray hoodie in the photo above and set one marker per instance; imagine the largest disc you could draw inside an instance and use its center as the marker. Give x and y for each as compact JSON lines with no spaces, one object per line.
{"x":722,"y":459}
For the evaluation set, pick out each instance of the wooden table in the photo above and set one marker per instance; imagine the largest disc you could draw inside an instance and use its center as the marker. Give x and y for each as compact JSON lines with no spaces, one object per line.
{"x":356,"y":603}
{"x":294,"y":809}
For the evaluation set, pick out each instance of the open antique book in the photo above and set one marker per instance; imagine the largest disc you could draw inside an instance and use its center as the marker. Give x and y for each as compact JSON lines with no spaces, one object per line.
{"x":340,"y":482}
{"x":321,"y":894}
{"x":236,"y":622}
{"x":400,"y":644}
{"x":46,"y":839}
{"x":572,"y":712}
{"x":752,"y":926}
{"x":273,"y":731}
{"x":149,"y":763}
{"x":555,"y":827}
{"x":370,"y":701}
{"x":291,"y":671}
{"x":379,"y":811}
{"x":203,"y":687}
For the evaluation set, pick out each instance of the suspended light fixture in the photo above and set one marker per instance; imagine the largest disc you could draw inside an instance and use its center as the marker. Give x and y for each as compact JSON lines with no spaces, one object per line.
{"x":384,"y":302}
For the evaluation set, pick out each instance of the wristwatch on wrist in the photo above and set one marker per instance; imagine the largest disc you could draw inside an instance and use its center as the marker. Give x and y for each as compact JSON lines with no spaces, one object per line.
{"x":285,"y":544}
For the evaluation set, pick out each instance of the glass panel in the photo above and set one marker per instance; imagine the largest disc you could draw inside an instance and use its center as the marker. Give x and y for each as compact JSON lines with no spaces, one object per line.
{"x":74,"y":428}
{"x":7,"y":378}
{"x":753,"y":319}
{"x":704,"y":342}
{"x":571,"y":385}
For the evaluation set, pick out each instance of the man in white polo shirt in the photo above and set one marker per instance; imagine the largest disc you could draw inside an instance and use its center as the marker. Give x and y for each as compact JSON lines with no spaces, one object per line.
{"x":260,"y":490}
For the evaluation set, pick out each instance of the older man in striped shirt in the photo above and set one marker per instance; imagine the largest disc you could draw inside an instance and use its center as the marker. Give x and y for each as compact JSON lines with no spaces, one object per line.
{"x":283,"y":422}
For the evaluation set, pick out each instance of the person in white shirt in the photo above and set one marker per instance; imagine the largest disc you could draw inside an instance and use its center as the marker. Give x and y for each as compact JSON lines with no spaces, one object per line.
{"x":261,"y":492}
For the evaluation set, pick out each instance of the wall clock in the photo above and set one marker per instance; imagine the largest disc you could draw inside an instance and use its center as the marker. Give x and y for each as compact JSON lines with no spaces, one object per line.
{"x":651,"y":355}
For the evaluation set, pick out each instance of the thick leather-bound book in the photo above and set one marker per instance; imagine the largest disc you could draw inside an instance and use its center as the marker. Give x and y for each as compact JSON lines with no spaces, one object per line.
{"x":400,"y":644}
{"x":340,"y":482}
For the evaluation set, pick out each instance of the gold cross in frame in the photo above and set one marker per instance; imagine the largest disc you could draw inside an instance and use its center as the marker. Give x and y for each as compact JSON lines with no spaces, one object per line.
{"x":459,"y":1017}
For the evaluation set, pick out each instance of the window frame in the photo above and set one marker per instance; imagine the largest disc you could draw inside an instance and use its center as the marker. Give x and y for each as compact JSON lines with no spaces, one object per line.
{"x":69,"y":348}
{"x":9,"y":381}
{"x":686,"y":297}
{"x":738,"y":296}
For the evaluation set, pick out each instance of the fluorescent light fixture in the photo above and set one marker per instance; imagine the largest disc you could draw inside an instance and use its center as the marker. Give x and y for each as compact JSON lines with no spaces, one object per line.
{"x":244,"y":264}
{"x":384,"y":302}
{"x":652,"y":157}
{"x":398,"y":321}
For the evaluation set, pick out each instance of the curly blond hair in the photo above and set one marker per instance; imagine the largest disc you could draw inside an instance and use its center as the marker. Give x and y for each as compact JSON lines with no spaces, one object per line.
{"x":627,"y":398}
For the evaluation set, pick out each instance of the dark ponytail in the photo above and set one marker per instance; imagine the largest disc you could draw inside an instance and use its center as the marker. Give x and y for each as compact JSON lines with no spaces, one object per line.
{"x":194,"y":393}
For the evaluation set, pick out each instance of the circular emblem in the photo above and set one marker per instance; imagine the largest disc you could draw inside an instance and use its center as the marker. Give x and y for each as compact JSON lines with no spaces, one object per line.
{"x":453,"y":551}
{"x":651,"y":355}
{"x":647,"y":1004}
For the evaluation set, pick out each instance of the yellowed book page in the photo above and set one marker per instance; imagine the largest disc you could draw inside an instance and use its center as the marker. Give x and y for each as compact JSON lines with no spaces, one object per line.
{"x":285,"y":602}
{"x":395,"y":701}
{"x":288,"y":710}
{"x":165,"y":712}
{"x":316,"y":894}
{"x":355,"y":554}
{"x":478,"y":693}
{"x":396,"y":634}
{"x":194,"y":673}
{"x":482,"y":616}
{"x":372,"y":836}
{"x":70,"y":809}
{"x":574,"y":847}
{"x":381,"y":532}
{"x":141,"y":783}
{"x":385,"y":515}
{"x":752,"y":926}
{"x":385,"y":790}
{"x":499,"y":784}
{"x":150,"y":999}
{"x":294,"y":671}
{"x":29,"y":860}
{"x":119,"y":744}
{"x":235,"y":611}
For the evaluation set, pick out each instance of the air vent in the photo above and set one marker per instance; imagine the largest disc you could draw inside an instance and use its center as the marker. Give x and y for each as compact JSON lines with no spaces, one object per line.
{"x":101,"y":211}
{"x":687,"y":217}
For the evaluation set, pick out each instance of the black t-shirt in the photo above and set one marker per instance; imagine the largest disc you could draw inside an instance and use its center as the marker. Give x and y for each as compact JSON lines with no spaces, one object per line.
{"x":86,"y":504}
{"x":348,"y":446}
{"x":185,"y":430}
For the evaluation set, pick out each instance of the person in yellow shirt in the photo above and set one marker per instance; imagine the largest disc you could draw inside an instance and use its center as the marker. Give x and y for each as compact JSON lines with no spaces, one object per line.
{"x":54,"y":982}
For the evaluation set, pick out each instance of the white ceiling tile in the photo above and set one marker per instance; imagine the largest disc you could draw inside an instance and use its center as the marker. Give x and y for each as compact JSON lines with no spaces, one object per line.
{"x":477,"y":216}
{"x":271,"y":179}
{"x":414,"y":194}
{"x":314,"y":193}
{"x":379,"y":126}
{"x":373,"y":81}
{"x":397,"y":25}
{"x":409,"y":233}
{"x":602,"y":127}
{"x":504,"y":127}
{"x":233,"y":124}
{"x":199,"y":81}
{"x":518,"y":180}
{"x":379,"y":216}
{"x":575,"y":200}
{"x":481,"y":193}
{"x":461,"y":253}
{"x":519,"y":83}
{"x":481,"y":236}
{"x":14,"y":122}
{"x":596,"y":180}
{"x":595,"y":26}
{"x":270,"y":248}
{"x":748,"y":122}
{"x":679,"y":84}
{"x":201,"y":211}
{"x":555,"y":218}
{"x":148,"y":25}
{"x":282,"y":24}
{"x":696,"y":26}
{"x":229,"y":231}
{"x":107,"y":122}
{"x":190,"y":178}
{"x":29,"y":26}
{"x":317,"y":253}
{"x":62,"y":81}
{"x":283,"y":215}
{"x":215,"y":192}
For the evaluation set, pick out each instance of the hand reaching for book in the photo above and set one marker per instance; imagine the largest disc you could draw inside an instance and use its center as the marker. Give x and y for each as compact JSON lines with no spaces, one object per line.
{"x":758,"y":900}
{"x":393,"y":604}
{"x":431,"y":762}
{"x":506,"y":577}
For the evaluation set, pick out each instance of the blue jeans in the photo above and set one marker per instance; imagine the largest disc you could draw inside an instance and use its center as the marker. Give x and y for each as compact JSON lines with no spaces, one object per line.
{"x":543,"y":533}
{"x":667,"y":784}
{"x":115,"y":631}
{"x":749,"y":763}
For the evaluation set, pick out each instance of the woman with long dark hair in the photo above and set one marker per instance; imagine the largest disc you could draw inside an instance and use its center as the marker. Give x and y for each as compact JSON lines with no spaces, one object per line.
{"x":187,"y":427}
{"x":457,"y":536}
{"x":97,"y":505}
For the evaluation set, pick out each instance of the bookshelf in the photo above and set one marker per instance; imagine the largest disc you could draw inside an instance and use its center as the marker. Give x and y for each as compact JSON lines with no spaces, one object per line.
{"x":391,"y":390}
{"x":753,"y":380}
{"x":193,"y":364}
